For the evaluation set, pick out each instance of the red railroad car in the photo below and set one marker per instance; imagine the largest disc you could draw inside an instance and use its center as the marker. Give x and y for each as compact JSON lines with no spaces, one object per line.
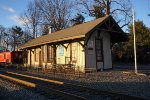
{"x":5,"y":57}
{"x":13,"y":57}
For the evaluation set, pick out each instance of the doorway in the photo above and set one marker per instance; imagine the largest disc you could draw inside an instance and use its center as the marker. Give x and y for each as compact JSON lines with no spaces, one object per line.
{"x":99,"y":54}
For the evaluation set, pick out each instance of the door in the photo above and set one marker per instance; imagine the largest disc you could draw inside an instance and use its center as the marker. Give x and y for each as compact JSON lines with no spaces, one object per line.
{"x":99,"y":54}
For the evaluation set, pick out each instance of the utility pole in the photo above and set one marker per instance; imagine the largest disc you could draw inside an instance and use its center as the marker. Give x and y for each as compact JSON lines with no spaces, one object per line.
{"x":135,"y":61}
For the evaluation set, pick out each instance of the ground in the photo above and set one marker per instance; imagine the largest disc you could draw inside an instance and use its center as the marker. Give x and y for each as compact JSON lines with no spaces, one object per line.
{"x":120,"y":79}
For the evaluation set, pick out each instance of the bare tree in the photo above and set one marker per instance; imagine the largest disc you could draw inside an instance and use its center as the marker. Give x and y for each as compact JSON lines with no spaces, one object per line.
{"x":51,"y":13}
{"x":3,"y":38}
{"x":7,"y":39}
{"x":2,"y":31}
{"x":31,"y":18}
{"x":119,"y":9}
{"x":56,"y":13}
{"x":26,"y":36}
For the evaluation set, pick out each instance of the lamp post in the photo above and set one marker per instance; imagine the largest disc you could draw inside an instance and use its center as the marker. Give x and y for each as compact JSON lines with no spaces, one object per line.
{"x":135,"y":61}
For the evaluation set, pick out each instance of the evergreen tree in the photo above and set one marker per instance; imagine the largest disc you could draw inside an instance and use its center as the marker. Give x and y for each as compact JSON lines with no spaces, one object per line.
{"x":45,"y":29}
{"x":78,"y":19}
{"x":16,"y":36}
{"x":142,"y":34}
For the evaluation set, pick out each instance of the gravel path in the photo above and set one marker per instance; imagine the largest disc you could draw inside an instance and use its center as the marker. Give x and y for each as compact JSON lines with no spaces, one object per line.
{"x":11,"y":91}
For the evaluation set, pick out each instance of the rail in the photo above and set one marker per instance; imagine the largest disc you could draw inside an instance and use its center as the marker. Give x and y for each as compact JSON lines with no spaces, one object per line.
{"x":41,"y":87}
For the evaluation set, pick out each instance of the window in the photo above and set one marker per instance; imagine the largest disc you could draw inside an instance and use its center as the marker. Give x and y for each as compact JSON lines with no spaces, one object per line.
{"x":36,"y":55}
{"x":98,"y":46}
{"x":50,"y":56}
{"x":90,"y":47}
{"x":44,"y":52}
{"x":61,"y":50}
{"x":74,"y":51}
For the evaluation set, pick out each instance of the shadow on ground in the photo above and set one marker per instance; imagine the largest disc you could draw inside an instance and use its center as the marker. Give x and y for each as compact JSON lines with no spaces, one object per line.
{"x":145,"y":69}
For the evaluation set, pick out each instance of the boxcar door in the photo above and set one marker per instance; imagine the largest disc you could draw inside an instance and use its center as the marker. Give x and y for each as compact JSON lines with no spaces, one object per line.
{"x":99,"y":53}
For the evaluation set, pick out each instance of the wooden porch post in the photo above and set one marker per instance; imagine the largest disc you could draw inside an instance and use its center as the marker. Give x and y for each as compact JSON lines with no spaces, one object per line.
{"x":54,"y":52}
{"x":30,"y":57}
{"x":70,"y":53}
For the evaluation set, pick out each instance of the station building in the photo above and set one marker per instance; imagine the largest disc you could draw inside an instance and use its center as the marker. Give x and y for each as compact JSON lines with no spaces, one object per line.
{"x":87,"y":46}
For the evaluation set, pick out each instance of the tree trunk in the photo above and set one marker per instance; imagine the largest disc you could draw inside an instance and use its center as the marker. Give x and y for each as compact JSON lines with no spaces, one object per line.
{"x":108,"y":7}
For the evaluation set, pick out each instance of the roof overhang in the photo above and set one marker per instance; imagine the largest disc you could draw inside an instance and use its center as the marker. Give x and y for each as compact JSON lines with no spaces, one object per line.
{"x":116,"y":36}
{"x":54,"y":41}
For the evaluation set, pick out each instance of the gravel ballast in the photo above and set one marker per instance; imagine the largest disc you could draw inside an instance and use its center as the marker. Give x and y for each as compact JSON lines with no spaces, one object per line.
{"x":118,"y":81}
{"x":12,"y":91}
{"x":125,"y":82}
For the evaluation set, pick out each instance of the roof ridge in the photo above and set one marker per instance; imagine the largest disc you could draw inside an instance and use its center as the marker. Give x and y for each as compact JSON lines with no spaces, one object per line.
{"x":77,"y":25}
{"x":84,"y":23}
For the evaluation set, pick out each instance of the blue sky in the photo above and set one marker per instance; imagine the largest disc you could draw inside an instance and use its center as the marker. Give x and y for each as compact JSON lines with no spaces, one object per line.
{"x":142,"y":9}
{"x":11,"y":9}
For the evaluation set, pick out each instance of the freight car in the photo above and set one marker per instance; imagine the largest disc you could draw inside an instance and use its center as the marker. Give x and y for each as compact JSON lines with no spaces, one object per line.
{"x":14,"y":57}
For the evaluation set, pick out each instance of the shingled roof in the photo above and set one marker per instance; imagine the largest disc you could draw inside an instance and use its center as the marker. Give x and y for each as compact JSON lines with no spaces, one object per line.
{"x":74,"y":32}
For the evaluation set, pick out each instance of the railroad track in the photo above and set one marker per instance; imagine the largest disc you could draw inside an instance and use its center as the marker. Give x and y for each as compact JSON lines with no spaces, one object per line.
{"x":60,"y":90}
